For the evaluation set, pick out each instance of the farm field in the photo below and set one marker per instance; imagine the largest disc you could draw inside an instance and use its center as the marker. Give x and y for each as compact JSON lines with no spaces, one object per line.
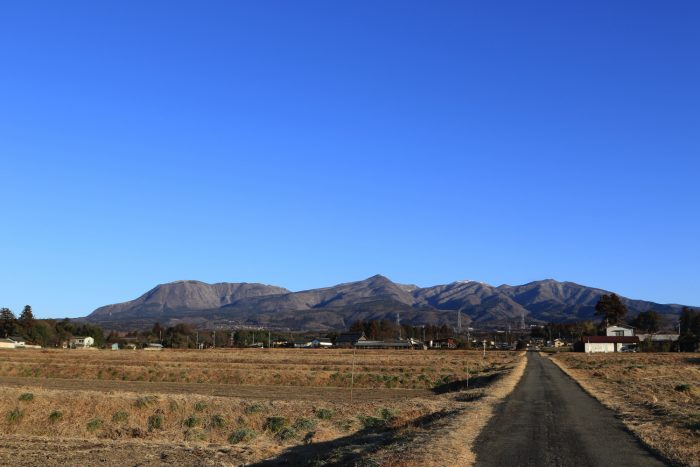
{"x":656,"y":395}
{"x":228,"y":407}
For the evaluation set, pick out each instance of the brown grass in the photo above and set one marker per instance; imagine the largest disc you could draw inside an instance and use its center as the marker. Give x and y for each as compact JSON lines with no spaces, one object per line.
{"x":279,"y":367}
{"x":172,"y":419}
{"x":656,"y":395}
{"x":451,"y":441}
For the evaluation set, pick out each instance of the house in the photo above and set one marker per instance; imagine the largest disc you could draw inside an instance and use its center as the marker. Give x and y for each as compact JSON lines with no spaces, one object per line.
{"x":321,"y":343}
{"x":444,"y":343}
{"x":604,"y":344}
{"x":619,"y":330}
{"x":81,"y":342}
{"x":303,"y":343}
{"x":153,"y":347}
{"x":19,"y":342}
{"x":348,"y":340}
{"x":7,"y":343}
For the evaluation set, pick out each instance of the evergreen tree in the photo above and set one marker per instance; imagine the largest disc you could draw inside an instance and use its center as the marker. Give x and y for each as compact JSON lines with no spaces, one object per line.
{"x":647,"y":321}
{"x":611,"y":309}
{"x":27,"y":322}
{"x":8,"y":322}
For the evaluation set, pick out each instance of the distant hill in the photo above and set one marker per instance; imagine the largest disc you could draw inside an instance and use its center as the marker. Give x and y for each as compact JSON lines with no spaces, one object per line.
{"x":244,"y":304}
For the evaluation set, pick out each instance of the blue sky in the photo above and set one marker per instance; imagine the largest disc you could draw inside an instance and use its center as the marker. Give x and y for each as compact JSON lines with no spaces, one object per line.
{"x":309,"y":143}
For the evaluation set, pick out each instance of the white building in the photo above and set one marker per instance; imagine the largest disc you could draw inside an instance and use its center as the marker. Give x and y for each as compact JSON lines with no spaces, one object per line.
{"x":81,"y":342}
{"x":605,"y":344}
{"x":7,"y":343}
{"x":619,"y":330}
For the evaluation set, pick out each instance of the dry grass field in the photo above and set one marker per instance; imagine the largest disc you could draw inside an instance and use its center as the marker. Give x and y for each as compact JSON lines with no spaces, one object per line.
{"x":656,"y":395}
{"x":228,"y":407}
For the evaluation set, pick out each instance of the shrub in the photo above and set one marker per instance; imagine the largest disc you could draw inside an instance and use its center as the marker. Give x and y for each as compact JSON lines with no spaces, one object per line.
{"x":286,"y":433}
{"x":14,"y":416}
{"x":387,"y":414}
{"x":155,"y":422}
{"x":217,"y":421}
{"x":55,"y":416}
{"x":275,"y":424}
{"x":94,"y":424}
{"x":252,"y":408}
{"x":195,"y":434}
{"x":200,"y":406}
{"x":191,"y":421}
{"x":683,"y":388}
{"x":304,"y":424}
{"x":242,"y":434}
{"x":369,"y":422}
{"x":27,"y":396}
{"x":344,"y":425}
{"x":120,"y":416}
{"x":145,"y":401}
{"x":324,"y":414}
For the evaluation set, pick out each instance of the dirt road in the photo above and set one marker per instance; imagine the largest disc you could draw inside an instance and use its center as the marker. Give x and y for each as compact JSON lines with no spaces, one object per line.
{"x":219,"y":390}
{"x":549,"y":420}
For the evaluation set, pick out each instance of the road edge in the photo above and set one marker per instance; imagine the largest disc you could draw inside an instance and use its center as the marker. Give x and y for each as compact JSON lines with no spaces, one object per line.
{"x":456,"y":443}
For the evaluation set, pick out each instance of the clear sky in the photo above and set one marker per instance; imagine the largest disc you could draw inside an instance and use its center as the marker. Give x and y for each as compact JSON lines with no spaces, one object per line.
{"x":304,"y":144}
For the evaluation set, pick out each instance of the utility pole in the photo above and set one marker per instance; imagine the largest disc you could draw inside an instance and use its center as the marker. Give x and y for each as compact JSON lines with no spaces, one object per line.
{"x":197,"y":336}
{"x":459,"y":321}
{"x":269,"y":337}
{"x":213,"y":339}
{"x":398,"y":323}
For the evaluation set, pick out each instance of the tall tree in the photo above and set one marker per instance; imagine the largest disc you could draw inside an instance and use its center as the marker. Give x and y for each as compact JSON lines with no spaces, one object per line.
{"x":27,"y":322}
{"x":8,"y":322}
{"x":647,"y":321}
{"x":611,"y":309}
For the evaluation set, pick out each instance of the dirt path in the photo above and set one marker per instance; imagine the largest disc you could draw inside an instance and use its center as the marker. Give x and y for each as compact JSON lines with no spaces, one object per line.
{"x":549,"y":420}
{"x":219,"y":390}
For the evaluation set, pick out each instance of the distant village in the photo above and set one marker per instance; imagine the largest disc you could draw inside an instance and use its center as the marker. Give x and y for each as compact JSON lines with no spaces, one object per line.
{"x":644,"y":333}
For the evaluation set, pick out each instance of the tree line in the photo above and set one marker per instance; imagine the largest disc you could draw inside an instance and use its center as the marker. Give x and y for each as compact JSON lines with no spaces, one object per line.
{"x":45,"y":332}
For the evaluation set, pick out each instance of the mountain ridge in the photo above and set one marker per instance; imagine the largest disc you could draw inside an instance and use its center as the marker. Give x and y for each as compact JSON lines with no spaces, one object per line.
{"x":377,"y":297}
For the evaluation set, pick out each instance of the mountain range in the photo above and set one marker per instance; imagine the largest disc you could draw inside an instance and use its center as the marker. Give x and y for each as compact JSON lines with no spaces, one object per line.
{"x":336,"y":307}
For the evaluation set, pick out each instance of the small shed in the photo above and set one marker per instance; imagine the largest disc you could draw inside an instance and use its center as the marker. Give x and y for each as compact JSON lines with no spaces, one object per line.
{"x":444,"y":343}
{"x":81,"y":342}
{"x":153,"y":347}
